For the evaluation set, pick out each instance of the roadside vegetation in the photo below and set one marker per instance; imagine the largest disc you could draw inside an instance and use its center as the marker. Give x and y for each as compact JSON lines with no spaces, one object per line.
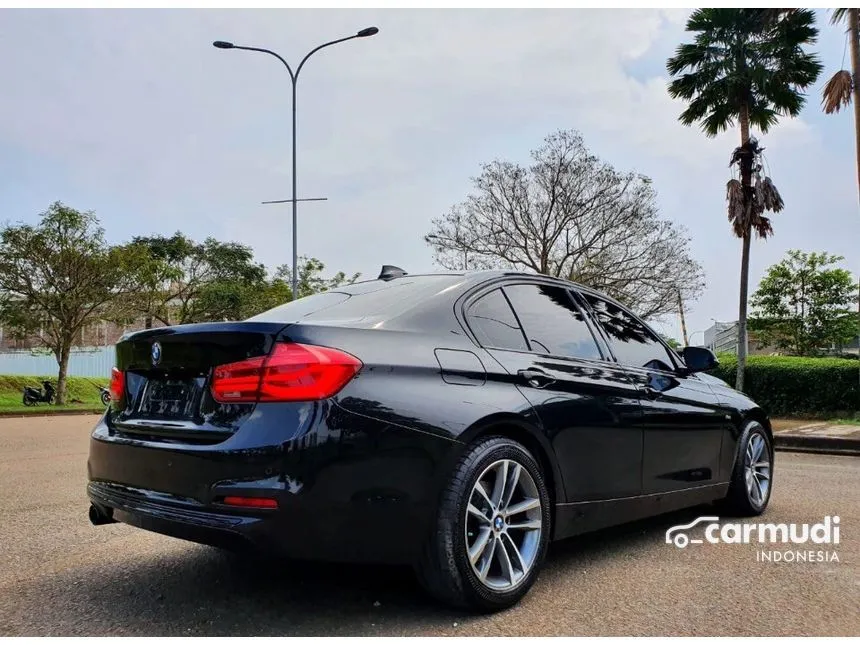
{"x":795,"y":386}
{"x":82,"y":394}
{"x":60,"y":275}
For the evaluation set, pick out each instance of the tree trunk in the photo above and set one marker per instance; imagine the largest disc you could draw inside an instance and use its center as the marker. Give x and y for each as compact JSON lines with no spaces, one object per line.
{"x":742,"y":314}
{"x":148,"y":322}
{"x":854,"y":37}
{"x":746,"y":182}
{"x":63,"y":360}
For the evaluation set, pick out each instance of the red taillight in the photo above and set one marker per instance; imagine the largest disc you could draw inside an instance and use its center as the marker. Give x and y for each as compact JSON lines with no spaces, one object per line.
{"x":292,"y":372}
{"x":251,"y":502}
{"x":117,"y":385}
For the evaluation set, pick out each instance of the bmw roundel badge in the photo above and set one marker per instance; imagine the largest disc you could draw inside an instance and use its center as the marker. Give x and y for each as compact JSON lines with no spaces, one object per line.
{"x":156,"y":353}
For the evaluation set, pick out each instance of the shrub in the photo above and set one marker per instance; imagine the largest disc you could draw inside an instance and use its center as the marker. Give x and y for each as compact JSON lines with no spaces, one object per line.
{"x":791,"y":385}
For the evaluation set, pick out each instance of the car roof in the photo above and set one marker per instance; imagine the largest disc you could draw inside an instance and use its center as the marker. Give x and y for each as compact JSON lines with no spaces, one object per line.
{"x":485,"y":275}
{"x":381,"y":301}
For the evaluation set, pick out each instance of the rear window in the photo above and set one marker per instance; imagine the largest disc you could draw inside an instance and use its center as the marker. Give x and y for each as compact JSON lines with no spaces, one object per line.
{"x":362,"y":300}
{"x":301,"y":307}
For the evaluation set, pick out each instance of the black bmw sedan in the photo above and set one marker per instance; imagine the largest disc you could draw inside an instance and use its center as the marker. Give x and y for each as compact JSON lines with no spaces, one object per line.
{"x":456,"y":422}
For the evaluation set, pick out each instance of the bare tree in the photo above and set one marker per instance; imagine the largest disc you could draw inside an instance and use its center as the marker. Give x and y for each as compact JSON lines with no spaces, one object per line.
{"x":571,"y":215}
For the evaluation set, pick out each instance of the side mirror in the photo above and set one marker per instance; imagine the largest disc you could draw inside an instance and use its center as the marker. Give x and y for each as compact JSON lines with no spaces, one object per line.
{"x":699,"y":359}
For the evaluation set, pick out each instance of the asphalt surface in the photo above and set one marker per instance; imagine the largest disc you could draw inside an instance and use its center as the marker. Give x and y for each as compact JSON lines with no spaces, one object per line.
{"x":61,"y":576}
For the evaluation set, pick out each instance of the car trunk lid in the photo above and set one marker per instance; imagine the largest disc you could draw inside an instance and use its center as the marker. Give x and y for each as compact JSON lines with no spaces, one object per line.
{"x":167,"y":374}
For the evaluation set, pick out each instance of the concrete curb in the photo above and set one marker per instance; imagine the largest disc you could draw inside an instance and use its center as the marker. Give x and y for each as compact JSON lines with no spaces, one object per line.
{"x":50,"y":413}
{"x":819,"y":444}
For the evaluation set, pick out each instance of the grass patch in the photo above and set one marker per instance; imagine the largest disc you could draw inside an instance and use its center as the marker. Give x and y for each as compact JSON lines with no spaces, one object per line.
{"x":82,"y":393}
{"x":849,"y":421}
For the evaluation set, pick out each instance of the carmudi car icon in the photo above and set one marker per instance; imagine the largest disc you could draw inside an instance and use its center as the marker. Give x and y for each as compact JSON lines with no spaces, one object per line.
{"x":675,"y":535}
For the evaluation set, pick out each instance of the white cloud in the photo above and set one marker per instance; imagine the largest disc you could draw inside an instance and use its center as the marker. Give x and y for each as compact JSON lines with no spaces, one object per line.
{"x":138,"y":111}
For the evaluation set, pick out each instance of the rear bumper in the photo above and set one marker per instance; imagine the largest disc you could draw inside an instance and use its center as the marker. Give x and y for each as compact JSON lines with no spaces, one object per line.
{"x":181,"y":519}
{"x":348,"y":488}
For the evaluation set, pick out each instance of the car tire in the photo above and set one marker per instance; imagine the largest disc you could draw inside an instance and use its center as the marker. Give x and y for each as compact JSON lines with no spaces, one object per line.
{"x":454,"y":566}
{"x":752,"y":478}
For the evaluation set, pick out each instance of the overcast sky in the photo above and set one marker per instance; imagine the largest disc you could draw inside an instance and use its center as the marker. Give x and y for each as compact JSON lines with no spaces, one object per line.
{"x":135,"y":115}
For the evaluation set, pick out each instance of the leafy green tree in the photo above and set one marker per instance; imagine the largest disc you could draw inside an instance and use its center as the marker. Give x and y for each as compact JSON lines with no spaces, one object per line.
{"x":803,"y":304}
{"x":181,"y":281}
{"x":310,"y":280}
{"x":58,"y":276}
{"x":671,"y":342}
{"x":745,"y":67}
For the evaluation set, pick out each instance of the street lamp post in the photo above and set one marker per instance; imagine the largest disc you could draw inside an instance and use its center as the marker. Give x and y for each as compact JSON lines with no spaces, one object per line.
{"x":294,"y":77}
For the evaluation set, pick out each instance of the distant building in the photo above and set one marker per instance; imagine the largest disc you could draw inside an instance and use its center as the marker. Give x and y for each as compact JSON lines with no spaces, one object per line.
{"x":723,"y":337}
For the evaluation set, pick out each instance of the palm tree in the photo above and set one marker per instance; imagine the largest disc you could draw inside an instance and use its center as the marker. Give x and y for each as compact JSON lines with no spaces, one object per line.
{"x":843,"y":84}
{"x":746,"y":67}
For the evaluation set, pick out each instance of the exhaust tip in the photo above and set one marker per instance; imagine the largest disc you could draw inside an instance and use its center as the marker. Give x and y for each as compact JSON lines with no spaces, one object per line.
{"x":99,"y":516}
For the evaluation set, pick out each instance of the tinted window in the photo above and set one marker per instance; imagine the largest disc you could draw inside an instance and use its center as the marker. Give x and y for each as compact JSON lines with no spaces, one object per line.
{"x":494,"y":324}
{"x":632,"y":342}
{"x":552,"y":322}
{"x":362,"y":300}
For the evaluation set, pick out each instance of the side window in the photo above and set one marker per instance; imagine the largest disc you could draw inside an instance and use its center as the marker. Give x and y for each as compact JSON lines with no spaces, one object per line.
{"x":494,"y":324}
{"x":632,"y":342}
{"x":551,"y":320}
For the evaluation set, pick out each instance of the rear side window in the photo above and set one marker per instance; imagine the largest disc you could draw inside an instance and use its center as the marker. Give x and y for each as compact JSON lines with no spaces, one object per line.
{"x":494,"y":324}
{"x":632,"y":342}
{"x":552,"y":322}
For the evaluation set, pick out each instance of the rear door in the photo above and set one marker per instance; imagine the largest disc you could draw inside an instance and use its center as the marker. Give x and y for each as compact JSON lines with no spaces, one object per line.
{"x":588,"y":407}
{"x":682,"y":418}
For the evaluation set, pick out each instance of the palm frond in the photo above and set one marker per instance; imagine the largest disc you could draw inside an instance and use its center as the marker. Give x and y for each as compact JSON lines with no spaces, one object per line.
{"x":752,"y":60}
{"x":838,"y":16}
{"x":771,"y":200}
{"x":735,"y":198}
{"x":771,"y":16}
{"x":837,"y":92}
{"x":762,"y":227}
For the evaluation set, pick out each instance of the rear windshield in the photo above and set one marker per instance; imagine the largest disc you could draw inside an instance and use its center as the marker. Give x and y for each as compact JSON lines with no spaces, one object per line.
{"x":362,"y":300}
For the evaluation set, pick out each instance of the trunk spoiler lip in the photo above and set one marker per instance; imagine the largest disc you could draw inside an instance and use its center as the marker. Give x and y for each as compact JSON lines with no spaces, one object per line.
{"x":158,"y":333}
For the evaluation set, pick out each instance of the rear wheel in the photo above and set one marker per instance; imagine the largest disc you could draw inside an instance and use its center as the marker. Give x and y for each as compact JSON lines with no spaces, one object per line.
{"x":28,"y":401}
{"x":491,"y":531}
{"x":752,"y":479}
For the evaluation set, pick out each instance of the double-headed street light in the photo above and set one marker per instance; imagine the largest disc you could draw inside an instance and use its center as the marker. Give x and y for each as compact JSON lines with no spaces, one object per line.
{"x":294,"y":77}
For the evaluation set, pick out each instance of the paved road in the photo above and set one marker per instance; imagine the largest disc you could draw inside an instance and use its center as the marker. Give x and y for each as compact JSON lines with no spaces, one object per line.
{"x":61,"y":576}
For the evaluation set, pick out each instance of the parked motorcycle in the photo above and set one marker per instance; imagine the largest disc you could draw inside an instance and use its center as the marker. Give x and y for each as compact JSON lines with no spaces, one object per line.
{"x":105,"y":395}
{"x":44,"y":394}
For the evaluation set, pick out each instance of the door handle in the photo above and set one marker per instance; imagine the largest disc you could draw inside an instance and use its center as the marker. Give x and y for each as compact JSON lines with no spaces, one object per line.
{"x":536,"y":378}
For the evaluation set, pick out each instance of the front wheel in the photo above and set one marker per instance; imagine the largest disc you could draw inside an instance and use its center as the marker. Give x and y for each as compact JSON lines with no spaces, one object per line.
{"x":752,"y":478}
{"x":491,"y":531}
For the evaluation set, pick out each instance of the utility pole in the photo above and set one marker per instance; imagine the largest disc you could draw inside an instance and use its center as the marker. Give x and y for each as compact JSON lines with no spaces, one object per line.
{"x":683,"y":322}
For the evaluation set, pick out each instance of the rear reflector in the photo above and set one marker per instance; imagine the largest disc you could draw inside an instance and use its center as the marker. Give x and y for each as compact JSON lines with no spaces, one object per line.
{"x":117,"y":385}
{"x":251,"y":502}
{"x":291,"y":372}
